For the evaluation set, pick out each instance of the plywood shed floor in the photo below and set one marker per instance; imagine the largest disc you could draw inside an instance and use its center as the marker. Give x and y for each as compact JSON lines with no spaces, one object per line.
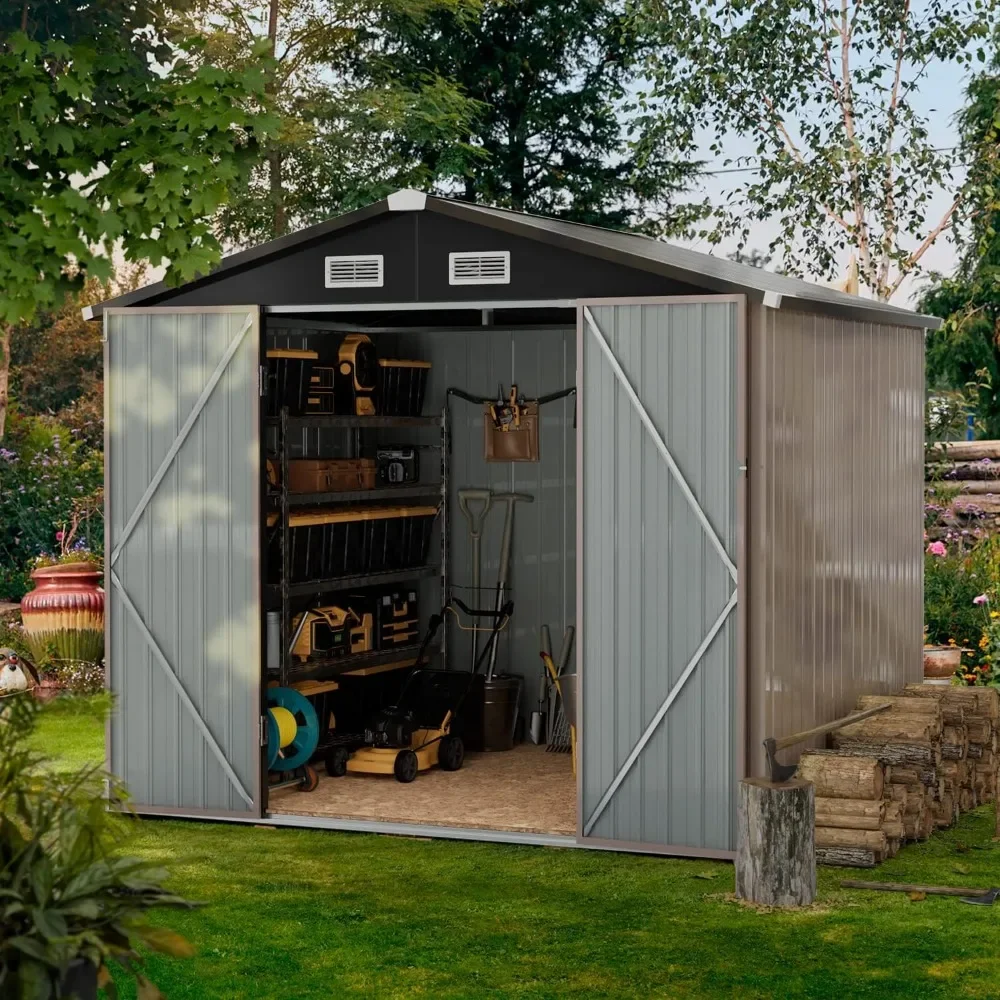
{"x":525,"y":790}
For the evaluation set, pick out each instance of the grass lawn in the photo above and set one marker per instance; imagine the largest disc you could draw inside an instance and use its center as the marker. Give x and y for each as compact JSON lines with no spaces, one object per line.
{"x":305,"y":914}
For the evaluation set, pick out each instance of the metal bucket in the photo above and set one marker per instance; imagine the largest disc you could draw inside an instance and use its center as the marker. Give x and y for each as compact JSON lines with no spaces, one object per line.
{"x":501,"y":699}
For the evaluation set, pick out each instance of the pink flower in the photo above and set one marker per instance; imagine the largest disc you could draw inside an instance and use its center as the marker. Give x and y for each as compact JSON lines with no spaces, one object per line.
{"x":981,"y":599}
{"x":59,"y":536}
{"x":937,"y":549}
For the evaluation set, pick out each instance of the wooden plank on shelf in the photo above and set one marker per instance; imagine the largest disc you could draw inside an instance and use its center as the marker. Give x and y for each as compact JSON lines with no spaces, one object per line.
{"x":311,"y":688}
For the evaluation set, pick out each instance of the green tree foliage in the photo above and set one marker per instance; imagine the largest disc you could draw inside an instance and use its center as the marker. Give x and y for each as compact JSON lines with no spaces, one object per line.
{"x":110,"y":132}
{"x":553,"y":132}
{"x":336,"y":148}
{"x":964,"y":355}
{"x":825,"y":90}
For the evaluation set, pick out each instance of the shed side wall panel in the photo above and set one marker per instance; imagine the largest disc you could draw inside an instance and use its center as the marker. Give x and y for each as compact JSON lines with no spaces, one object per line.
{"x":190,"y":566}
{"x":835,"y":507}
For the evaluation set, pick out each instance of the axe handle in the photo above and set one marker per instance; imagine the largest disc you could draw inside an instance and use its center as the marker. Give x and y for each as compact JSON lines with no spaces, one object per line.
{"x":788,"y":741}
{"x":935,"y":890}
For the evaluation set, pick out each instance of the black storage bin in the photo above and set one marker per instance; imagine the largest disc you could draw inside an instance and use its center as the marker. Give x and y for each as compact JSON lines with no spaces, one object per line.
{"x":400,"y":538}
{"x":401,"y":387}
{"x":352,"y":541}
{"x":288,"y":378}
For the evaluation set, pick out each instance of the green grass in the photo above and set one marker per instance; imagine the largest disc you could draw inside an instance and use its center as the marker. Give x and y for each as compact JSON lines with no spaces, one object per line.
{"x":70,"y":731}
{"x":307,"y":914}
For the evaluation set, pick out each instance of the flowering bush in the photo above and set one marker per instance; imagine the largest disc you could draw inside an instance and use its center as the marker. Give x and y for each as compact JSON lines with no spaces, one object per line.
{"x":44,"y":475}
{"x":80,"y":678}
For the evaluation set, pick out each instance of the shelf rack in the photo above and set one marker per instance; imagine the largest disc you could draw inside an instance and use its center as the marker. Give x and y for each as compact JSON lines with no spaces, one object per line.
{"x":357,"y":664}
{"x":282,"y":501}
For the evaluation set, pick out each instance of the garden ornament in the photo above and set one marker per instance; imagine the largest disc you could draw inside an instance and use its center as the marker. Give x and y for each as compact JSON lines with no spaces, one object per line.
{"x":16,"y":673}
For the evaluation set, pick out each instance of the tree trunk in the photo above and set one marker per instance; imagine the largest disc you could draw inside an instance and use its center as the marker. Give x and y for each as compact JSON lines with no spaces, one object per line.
{"x":279,"y":219}
{"x":775,"y":850}
{"x":5,"y":332}
{"x":838,"y":777}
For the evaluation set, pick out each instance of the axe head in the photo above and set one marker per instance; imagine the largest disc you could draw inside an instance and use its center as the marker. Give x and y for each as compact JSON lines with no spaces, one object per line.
{"x":777,"y":772}
{"x":988,"y":898}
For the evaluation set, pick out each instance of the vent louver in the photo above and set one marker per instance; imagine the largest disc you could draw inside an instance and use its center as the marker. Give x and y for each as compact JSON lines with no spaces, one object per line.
{"x":489,"y":268}
{"x":354,"y":272}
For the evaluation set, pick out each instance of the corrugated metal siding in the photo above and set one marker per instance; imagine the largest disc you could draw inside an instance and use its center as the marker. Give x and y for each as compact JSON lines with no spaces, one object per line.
{"x":836,"y":473}
{"x":543,"y":559}
{"x":191,"y":564}
{"x":653,"y":584}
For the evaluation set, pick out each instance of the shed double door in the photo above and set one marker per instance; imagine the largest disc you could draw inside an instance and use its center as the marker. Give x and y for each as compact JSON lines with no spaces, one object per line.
{"x":182,"y":553}
{"x":659,"y":495}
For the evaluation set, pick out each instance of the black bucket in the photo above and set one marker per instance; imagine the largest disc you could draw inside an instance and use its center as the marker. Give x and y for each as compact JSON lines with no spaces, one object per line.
{"x":500,"y":700}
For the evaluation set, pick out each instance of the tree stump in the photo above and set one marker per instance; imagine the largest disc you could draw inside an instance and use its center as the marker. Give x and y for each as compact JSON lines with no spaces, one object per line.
{"x":775,"y":842}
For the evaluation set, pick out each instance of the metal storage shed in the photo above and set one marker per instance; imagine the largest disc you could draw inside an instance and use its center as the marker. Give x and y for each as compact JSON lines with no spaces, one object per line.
{"x":735,"y":527}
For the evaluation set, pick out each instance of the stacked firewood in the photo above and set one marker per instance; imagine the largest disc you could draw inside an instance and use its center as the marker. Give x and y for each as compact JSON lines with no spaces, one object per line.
{"x":903,"y":773}
{"x":971,"y":467}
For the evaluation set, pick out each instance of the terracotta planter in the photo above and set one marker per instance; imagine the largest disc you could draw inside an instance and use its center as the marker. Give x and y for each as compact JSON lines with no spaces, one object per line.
{"x":64,"y":615}
{"x":941,"y":663}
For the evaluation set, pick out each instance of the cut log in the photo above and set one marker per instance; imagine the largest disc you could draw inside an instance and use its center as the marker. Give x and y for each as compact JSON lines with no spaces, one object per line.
{"x":954,"y":742}
{"x":894,"y":843}
{"x":979,"y":731}
{"x":846,"y":857}
{"x":894,"y":727}
{"x":775,"y":848}
{"x":893,"y":831}
{"x":967,"y":450}
{"x":966,"y":799}
{"x":945,"y":810}
{"x":912,"y":753}
{"x":901,"y":704}
{"x":872,"y":840}
{"x":977,"y":701}
{"x":912,"y":776}
{"x":850,"y":814}
{"x":839,"y":777}
{"x":893,"y":812}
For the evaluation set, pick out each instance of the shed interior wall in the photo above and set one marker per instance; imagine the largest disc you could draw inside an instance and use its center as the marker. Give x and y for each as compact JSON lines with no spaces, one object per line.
{"x":539,"y":359}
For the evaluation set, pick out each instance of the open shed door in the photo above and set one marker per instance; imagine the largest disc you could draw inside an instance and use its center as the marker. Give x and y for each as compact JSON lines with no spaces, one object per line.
{"x":659,"y":493}
{"x":182,"y":545}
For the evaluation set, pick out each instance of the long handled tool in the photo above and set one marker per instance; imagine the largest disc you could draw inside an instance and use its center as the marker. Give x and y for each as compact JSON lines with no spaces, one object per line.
{"x":536,"y":730}
{"x":466,"y":498}
{"x":554,"y":674}
{"x":978,"y":897}
{"x":503,"y":573}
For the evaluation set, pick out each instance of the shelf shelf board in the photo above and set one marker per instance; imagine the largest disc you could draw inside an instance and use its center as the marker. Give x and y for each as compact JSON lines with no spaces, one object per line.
{"x":353,"y":496}
{"x":359,"y":664}
{"x":355,"y":580}
{"x":331,"y":420}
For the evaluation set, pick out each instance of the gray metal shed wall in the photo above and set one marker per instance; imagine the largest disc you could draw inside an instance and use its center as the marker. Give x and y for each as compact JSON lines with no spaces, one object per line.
{"x":191,"y":565}
{"x":653,"y":584}
{"x":835,"y":496}
{"x":543,"y":568}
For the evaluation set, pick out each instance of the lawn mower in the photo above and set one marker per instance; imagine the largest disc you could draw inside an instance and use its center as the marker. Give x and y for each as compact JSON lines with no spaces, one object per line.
{"x":415,"y":733}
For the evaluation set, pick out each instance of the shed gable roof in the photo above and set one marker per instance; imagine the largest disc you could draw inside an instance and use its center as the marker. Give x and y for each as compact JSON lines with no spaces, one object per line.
{"x":630,"y":250}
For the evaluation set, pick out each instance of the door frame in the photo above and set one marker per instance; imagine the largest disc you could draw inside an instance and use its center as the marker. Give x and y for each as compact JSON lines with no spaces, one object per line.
{"x":258,"y":791}
{"x":739,"y":557}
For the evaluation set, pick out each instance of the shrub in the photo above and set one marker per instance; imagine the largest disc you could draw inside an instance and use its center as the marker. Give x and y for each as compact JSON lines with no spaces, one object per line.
{"x":44,"y":473}
{"x":70,"y":899}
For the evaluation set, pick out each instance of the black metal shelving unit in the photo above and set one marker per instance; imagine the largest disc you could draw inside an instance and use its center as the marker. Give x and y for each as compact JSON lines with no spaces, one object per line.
{"x":332,"y":667}
{"x":282,"y":502}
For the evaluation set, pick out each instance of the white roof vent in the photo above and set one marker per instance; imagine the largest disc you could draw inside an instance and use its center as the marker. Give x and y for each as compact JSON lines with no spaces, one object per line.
{"x":487,"y":268}
{"x":354,"y":272}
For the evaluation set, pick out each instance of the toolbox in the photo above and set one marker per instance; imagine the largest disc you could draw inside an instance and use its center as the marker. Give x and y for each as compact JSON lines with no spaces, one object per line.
{"x":397,"y":465}
{"x":356,"y":378}
{"x":358,"y":540}
{"x":397,"y":622}
{"x":330,"y":475}
{"x":401,"y":387}
{"x":331,"y":632}
{"x":288,"y":375}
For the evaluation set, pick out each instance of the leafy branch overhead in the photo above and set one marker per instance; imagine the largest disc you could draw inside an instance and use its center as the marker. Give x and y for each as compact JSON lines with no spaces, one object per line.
{"x":112,"y":129}
{"x":828,"y":92}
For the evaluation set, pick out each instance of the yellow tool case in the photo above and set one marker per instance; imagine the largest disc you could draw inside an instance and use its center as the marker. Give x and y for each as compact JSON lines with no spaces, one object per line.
{"x":331,"y":632}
